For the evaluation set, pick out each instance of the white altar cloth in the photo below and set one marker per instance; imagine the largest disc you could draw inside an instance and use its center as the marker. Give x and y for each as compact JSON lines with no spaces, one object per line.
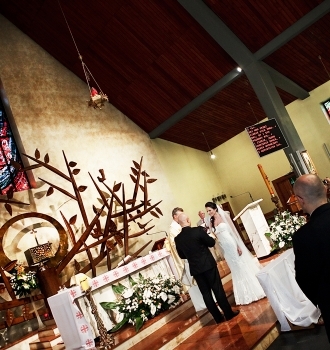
{"x":285,"y":296}
{"x":76,"y":325}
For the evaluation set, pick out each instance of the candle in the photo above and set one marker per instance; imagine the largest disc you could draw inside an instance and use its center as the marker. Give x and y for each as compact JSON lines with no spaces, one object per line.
{"x":271,"y":191}
{"x":84,"y":284}
{"x":124,"y":261}
{"x":167,"y":245}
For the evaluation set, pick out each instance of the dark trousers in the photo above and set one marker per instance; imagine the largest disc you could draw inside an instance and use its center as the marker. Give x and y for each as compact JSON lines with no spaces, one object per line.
{"x":325,"y":312}
{"x":207,"y":282}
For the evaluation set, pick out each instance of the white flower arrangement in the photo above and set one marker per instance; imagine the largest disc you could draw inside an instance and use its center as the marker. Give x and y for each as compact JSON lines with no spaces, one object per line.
{"x":22,"y":282}
{"x":144,"y":299}
{"x":283,"y":228}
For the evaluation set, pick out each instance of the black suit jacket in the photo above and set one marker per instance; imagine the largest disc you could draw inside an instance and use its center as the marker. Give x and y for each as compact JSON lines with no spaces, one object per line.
{"x":193,"y":243}
{"x":311,"y":245}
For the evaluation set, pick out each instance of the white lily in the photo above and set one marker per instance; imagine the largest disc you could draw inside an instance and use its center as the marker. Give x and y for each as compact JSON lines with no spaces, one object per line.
{"x":128,"y":293}
{"x":163,"y":296}
{"x":152,"y":309}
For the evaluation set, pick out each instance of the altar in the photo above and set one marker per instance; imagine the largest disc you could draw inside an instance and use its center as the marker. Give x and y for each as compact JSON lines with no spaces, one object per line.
{"x":288,"y":301}
{"x":76,"y":324}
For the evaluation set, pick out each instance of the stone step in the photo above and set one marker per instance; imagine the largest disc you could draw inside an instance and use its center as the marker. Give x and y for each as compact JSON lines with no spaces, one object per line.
{"x":48,"y":337}
{"x":46,"y":342}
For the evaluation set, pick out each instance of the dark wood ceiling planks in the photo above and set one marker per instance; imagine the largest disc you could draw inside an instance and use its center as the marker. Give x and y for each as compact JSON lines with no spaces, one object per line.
{"x":152,"y":58}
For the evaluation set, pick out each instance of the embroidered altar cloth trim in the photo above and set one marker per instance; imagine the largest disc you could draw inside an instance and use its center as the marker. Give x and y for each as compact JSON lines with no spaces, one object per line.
{"x":120,"y":272}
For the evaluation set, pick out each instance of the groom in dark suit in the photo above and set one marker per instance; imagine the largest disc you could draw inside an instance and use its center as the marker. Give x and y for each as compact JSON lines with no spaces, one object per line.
{"x":193,"y":243}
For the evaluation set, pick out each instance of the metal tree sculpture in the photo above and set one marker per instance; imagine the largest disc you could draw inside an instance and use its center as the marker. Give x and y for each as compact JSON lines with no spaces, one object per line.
{"x":109,"y":236}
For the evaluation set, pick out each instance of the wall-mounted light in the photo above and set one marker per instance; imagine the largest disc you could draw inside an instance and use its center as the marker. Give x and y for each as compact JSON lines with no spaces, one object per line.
{"x":239,"y":69}
{"x":211,"y":153}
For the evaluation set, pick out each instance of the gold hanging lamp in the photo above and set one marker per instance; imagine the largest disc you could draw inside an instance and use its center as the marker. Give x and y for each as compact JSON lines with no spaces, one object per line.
{"x":97,"y":97}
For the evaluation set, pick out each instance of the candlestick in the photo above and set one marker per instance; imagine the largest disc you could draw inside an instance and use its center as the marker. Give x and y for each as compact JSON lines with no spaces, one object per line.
{"x":107,"y":341}
{"x":267,"y":182}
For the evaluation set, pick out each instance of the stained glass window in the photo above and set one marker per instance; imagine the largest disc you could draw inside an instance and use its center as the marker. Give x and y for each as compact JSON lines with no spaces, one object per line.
{"x":10,"y":177}
{"x":326,"y":109}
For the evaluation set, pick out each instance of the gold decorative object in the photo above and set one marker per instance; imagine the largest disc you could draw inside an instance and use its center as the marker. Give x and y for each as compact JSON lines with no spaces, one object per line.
{"x":63,"y":247}
{"x":97,"y":99}
{"x":267,"y":182}
{"x":274,"y":198}
{"x":39,"y":253}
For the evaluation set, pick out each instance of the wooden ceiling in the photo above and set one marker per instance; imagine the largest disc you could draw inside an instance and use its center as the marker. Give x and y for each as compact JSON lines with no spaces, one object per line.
{"x":152,"y":58}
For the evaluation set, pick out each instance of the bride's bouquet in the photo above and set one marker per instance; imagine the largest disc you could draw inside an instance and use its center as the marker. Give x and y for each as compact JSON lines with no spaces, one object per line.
{"x":283,"y":228}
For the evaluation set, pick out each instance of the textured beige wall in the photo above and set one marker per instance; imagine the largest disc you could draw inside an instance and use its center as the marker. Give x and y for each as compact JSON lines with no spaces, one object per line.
{"x":191,"y":173}
{"x":49,"y":106}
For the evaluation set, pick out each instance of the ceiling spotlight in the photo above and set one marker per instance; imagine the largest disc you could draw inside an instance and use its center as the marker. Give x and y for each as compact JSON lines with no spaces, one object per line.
{"x":212,"y":155}
{"x":239,"y":69}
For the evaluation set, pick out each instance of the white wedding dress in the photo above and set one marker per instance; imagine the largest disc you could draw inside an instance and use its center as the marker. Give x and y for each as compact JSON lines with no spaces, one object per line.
{"x":243,"y":267}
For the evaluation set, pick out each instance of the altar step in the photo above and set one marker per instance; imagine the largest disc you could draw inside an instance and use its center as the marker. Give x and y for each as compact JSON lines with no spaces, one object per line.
{"x":48,"y":338}
{"x":183,"y":319}
{"x":181,"y":329}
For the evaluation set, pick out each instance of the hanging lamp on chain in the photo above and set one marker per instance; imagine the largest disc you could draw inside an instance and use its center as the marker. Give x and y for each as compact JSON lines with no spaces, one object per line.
{"x":97,"y":97}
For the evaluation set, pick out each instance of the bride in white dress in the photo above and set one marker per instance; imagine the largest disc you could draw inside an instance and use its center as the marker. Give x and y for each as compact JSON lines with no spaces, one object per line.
{"x":242,"y":264}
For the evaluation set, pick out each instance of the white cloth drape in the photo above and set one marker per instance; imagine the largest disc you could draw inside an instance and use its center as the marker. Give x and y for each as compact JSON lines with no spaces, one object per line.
{"x":285,"y":296}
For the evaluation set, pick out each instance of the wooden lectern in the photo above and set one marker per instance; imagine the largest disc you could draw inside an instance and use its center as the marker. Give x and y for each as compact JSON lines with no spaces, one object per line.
{"x":256,"y":226}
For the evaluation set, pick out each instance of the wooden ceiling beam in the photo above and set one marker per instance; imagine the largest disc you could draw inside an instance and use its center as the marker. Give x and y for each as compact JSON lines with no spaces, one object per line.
{"x":241,"y":54}
{"x":195,"y":103}
{"x":285,"y":83}
{"x":294,"y":30}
